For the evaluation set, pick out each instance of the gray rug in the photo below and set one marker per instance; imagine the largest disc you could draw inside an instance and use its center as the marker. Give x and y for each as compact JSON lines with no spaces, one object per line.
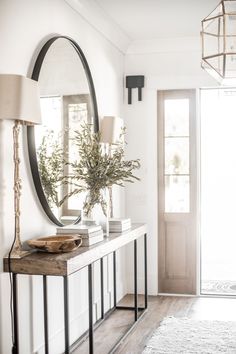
{"x":219,"y":287}
{"x":188,"y":336}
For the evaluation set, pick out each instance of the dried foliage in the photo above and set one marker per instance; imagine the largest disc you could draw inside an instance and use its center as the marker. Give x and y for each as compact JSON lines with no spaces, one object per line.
{"x":51,"y":167}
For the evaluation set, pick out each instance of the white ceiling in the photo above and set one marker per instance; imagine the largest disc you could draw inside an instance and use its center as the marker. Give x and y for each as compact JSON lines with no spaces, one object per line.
{"x":150,"y":19}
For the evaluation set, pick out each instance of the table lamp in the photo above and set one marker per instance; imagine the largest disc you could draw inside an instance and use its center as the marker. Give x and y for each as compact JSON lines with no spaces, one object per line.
{"x":19,"y":101}
{"x":111,"y":129}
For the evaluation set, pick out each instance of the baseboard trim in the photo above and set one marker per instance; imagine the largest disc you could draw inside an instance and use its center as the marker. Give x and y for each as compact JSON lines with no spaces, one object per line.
{"x":178,"y":295}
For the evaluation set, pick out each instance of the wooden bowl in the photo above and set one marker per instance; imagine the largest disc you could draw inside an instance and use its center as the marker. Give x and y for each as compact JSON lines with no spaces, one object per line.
{"x":55,"y":243}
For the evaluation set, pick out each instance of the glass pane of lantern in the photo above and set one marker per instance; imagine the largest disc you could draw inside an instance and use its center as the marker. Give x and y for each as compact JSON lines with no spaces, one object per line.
{"x":230,"y":29}
{"x":216,"y":63}
{"x":230,"y":44}
{"x":177,"y":194}
{"x":212,"y":45}
{"x":176,"y":155}
{"x":212,"y":26}
{"x":177,"y":117}
{"x":230,"y":6}
{"x":216,"y":12}
{"x":230,"y":66}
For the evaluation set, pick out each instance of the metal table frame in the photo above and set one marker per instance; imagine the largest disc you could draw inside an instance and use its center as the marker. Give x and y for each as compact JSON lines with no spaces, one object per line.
{"x":138,"y":311}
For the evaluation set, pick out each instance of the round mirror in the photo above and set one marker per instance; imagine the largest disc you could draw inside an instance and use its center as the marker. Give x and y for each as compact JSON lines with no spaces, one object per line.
{"x":68,"y":101}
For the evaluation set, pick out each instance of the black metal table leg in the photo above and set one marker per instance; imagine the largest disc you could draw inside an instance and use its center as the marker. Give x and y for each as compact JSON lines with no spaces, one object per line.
{"x":135,"y":282}
{"x":15,"y":349}
{"x":145,"y":272}
{"x":114,"y":277}
{"x":90,"y":293}
{"x":45,"y":310}
{"x":102,"y":288}
{"x":66,"y":316}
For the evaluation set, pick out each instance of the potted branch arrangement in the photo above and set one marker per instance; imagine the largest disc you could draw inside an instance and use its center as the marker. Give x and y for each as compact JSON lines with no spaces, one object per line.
{"x":96,"y":170}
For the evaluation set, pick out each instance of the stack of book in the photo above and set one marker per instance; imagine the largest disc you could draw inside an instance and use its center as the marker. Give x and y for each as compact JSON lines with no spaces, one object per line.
{"x":119,"y":225}
{"x":90,"y":234}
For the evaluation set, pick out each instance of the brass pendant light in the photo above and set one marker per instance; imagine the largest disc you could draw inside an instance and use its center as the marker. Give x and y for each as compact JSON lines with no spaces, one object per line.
{"x":219,"y":42}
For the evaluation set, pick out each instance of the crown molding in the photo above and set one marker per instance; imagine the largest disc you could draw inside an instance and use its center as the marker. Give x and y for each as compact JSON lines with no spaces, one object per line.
{"x":90,"y":11}
{"x":165,"y":45}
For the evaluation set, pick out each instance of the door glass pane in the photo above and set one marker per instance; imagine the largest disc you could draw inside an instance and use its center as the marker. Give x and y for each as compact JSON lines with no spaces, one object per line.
{"x":176,"y":194}
{"x":51,"y":109}
{"x":177,"y":117}
{"x":77,"y":116}
{"x":176,"y":155}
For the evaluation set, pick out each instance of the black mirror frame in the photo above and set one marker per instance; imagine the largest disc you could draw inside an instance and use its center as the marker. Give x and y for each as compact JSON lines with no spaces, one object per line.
{"x":30,"y":129}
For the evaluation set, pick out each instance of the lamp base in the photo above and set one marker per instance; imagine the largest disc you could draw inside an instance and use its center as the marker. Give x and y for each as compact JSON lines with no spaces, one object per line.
{"x":19,"y":253}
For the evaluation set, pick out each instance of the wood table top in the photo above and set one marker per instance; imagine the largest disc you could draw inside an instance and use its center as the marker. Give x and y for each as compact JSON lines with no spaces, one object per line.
{"x":40,"y":263}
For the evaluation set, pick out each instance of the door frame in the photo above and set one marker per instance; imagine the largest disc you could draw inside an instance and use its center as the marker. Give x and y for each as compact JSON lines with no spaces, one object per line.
{"x":194,"y":270}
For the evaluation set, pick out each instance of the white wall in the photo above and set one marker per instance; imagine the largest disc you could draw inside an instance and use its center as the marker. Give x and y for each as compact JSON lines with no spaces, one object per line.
{"x":167,"y":64}
{"x":24,"y":27}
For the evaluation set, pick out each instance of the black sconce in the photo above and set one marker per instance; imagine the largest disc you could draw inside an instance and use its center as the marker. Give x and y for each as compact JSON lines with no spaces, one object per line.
{"x":134,"y":82}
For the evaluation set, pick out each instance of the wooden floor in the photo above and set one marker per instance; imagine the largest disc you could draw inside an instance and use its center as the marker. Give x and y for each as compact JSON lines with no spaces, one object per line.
{"x":159,"y":307}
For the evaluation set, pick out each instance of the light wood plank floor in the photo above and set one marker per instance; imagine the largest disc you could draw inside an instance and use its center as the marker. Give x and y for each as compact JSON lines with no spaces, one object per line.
{"x":159,"y":307}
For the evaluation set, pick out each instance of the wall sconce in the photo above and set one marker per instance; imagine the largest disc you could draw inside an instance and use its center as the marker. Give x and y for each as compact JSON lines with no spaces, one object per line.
{"x":134,"y":82}
{"x":219,"y":42}
{"x":19,"y":101}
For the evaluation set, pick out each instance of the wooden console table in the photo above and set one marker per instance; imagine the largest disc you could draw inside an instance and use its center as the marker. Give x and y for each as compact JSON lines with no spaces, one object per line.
{"x":64,"y":265}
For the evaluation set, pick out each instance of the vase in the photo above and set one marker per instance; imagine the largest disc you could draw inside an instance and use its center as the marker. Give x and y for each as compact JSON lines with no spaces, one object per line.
{"x":90,"y":218}
{"x":102,"y":210}
{"x":108,"y":210}
{"x":99,"y":213}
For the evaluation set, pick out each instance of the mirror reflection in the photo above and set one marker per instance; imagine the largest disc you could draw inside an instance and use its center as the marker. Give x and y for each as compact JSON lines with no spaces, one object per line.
{"x":66,"y":105}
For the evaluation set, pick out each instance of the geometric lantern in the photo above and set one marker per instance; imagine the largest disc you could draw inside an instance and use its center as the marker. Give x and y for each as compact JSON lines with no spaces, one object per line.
{"x":219,"y":42}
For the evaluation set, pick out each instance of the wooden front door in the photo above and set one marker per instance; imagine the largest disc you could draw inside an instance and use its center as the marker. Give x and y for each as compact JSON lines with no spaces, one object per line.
{"x":177,"y":191}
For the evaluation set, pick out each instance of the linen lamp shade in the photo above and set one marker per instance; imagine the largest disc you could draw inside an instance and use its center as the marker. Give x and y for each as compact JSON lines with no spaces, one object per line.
{"x":19,"y":99}
{"x":111,"y":130}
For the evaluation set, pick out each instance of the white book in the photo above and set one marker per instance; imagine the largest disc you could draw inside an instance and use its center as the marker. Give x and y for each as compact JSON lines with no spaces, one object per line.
{"x":119,"y":221}
{"x":83,"y":236}
{"x":92,"y":234}
{"x":91,"y":241}
{"x":119,"y":229}
{"x":78,"y":229}
{"x":120,"y":225}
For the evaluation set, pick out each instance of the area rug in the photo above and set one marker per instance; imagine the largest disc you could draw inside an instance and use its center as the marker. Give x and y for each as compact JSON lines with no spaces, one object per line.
{"x":219,"y":287}
{"x":189,"y":336}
